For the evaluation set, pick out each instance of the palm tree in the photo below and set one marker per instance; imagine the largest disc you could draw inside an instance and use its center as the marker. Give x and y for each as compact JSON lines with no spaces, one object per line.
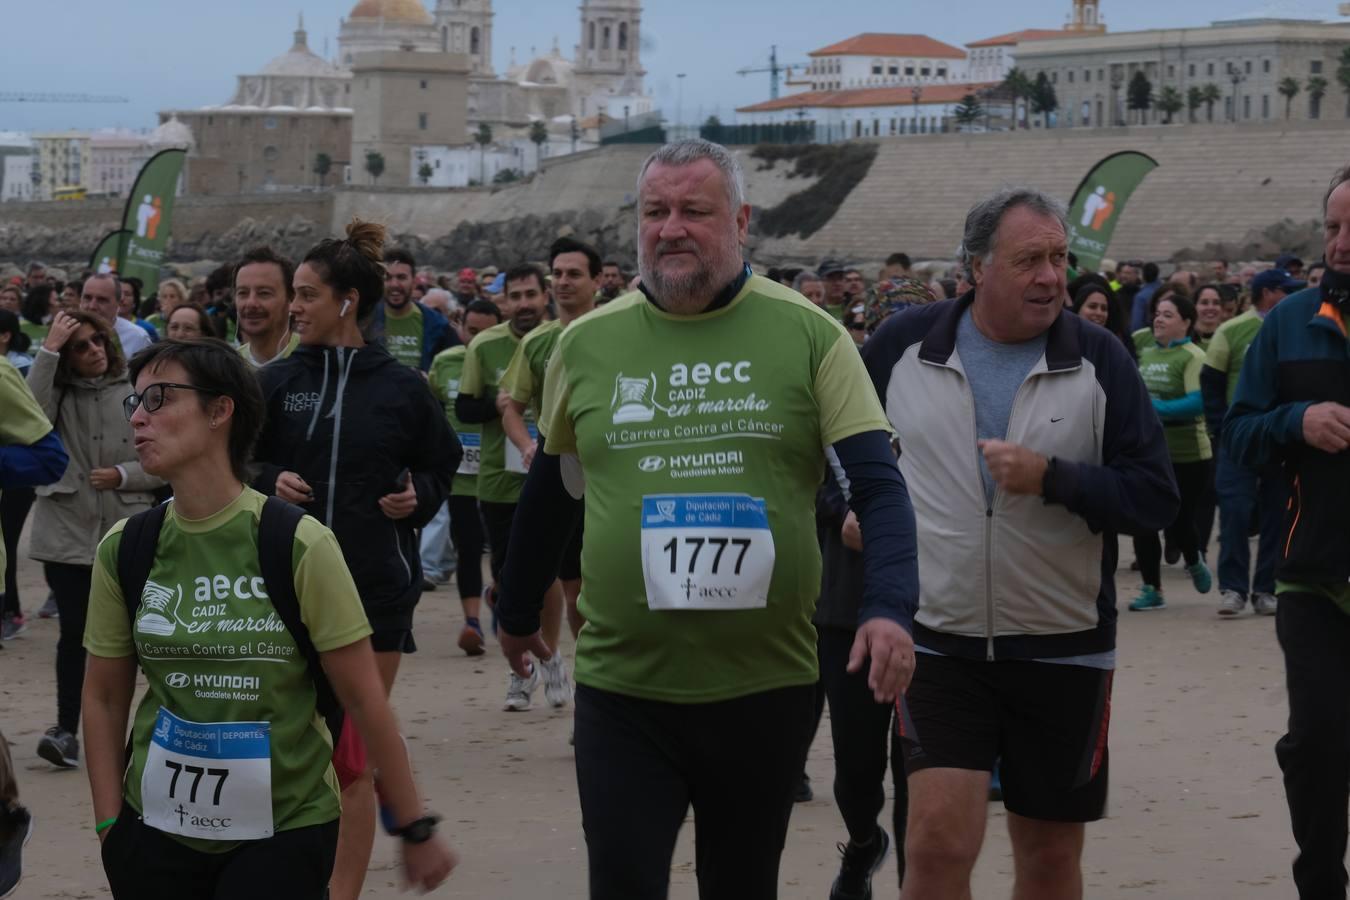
{"x":969,"y":111}
{"x":1343,"y":77}
{"x":1211,"y":94}
{"x":1169,"y":103}
{"x":1317,"y":89}
{"x":538,"y":137}
{"x":374,"y":165}
{"x":323,"y":164}
{"x":483,"y":137}
{"x":1195,"y":98}
{"x":1289,"y":87}
{"x":425,"y":172}
{"x":1020,"y":87}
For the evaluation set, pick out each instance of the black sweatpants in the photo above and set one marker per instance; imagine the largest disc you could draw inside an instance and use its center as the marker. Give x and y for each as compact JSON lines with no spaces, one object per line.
{"x":144,"y":863}
{"x":1193,"y":480}
{"x":70,"y":586}
{"x":14,"y":506}
{"x":1315,"y":754}
{"x":864,"y":739}
{"x":642,"y":763}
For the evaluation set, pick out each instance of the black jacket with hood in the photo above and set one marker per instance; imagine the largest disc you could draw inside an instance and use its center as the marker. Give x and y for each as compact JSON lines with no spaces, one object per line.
{"x":349,"y":421}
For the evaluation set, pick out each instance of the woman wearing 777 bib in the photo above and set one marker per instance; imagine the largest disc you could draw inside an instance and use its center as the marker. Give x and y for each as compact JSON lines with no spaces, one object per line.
{"x":227,"y":787}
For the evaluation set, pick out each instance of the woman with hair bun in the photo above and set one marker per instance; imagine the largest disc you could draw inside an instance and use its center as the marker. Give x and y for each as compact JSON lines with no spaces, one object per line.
{"x":359,"y":442}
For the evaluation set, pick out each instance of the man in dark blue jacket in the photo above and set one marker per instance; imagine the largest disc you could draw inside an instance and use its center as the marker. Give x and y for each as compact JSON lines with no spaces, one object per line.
{"x":1292,"y":408}
{"x":412,"y":332}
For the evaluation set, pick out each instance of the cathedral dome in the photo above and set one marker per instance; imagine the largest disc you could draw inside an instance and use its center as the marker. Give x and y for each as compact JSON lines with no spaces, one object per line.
{"x":300,"y":61}
{"x":411,"y":11}
{"x":172,"y":133}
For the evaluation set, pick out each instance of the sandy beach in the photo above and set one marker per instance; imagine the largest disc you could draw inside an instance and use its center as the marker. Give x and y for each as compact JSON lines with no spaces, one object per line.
{"x":1196,"y":805}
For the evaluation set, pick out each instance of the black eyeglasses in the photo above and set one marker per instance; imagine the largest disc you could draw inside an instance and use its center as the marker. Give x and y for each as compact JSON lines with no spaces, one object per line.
{"x":153,"y":396}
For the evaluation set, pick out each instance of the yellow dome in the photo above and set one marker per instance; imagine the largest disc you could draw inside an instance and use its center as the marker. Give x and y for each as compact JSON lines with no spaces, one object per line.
{"x":392,"y":11}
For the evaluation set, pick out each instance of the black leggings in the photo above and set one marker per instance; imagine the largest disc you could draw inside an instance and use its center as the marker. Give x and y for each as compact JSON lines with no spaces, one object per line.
{"x":864,"y":739}
{"x":144,"y":863}
{"x":642,"y":763}
{"x":70,"y":586}
{"x":1193,"y":480}
{"x":466,"y":534}
{"x":14,"y":506}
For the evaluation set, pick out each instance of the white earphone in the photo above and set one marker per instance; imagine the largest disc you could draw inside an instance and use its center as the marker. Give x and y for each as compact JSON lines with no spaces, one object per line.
{"x":345,"y":305}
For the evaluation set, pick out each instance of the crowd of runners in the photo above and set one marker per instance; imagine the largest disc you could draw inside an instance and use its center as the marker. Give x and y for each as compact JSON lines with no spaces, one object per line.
{"x":745,"y":494}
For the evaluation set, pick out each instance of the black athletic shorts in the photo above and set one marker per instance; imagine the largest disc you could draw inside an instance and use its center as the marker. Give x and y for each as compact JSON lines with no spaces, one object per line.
{"x":1045,"y":725}
{"x":497,"y":518}
{"x":392,"y":640}
{"x":570,"y":570}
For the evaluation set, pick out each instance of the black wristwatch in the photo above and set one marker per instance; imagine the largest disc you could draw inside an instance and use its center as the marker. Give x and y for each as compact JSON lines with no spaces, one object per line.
{"x":418,"y":831}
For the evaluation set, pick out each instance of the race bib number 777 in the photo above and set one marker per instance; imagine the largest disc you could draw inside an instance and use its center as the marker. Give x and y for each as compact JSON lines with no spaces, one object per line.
{"x":706,"y":551}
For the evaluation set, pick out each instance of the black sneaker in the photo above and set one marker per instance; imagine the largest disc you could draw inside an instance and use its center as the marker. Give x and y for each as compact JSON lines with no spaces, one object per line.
{"x":859,"y":865}
{"x":16,"y":825}
{"x":803,"y":793}
{"x":60,"y":748}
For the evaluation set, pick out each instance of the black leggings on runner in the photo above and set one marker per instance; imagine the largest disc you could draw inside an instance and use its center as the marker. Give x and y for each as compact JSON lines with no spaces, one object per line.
{"x":865,"y":739}
{"x":466,"y":534}
{"x":1193,"y":479}
{"x":14,"y":506}
{"x":70,"y":586}
{"x":642,"y":763}
{"x":144,"y":863}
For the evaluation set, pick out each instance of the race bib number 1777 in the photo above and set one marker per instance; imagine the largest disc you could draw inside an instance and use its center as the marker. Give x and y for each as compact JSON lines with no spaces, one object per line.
{"x":706,"y":551}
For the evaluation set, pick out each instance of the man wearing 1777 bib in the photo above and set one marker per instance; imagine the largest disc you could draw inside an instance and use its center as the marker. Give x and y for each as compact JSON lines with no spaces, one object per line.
{"x":696,"y":415}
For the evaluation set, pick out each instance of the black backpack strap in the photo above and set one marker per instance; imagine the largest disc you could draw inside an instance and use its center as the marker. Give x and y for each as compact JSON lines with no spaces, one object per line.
{"x":276,"y":542}
{"x":136,"y":556}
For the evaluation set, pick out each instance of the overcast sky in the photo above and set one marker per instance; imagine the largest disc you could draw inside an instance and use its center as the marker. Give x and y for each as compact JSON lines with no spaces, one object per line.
{"x":186,"y":53}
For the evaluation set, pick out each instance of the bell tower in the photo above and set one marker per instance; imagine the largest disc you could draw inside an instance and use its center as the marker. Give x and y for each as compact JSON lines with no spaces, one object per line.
{"x":465,"y":26}
{"x":1086,"y":17}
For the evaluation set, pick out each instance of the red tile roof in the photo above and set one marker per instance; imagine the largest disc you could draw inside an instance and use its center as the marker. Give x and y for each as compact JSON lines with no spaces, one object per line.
{"x":878,"y":96}
{"x":1027,"y":34}
{"x":874,"y":44}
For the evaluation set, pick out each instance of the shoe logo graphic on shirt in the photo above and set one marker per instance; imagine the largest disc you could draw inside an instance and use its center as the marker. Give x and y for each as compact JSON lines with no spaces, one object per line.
{"x":1053,"y":419}
{"x":156,"y":599}
{"x":634,"y":399}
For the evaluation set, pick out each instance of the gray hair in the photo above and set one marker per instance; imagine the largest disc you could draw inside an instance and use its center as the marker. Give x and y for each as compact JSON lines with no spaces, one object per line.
{"x":804,"y":277}
{"x":117,"y":283}
{"x":977,"y":239}
{"x":1337,"y":180}
{"x":687,"y":152}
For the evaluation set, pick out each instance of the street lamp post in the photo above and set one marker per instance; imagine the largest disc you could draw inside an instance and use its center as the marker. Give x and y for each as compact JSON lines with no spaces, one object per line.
{"x":625,"y":119}
{"x":916,"y":92}
{"x":679,"y":99}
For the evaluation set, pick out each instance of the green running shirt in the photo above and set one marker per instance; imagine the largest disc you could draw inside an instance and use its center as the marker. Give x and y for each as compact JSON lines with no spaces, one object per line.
{"x":485,"y":364}
{"x":444,"y":379}
{"x":213,"y":649}
{"x":1228,"y":348}
{"x":524,"y":378}
{"x":1170,"y":373}
{"x":403,"y":336}
{"x":700,"y":436}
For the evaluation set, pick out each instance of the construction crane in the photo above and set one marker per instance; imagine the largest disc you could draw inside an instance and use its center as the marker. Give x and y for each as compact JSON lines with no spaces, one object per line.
{"x":774,"y":70}
{"x":27,"y":97}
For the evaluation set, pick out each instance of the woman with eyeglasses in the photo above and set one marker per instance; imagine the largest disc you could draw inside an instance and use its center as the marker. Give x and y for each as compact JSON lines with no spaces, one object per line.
{"x":79,"y":379}
{"x":229,"y":788}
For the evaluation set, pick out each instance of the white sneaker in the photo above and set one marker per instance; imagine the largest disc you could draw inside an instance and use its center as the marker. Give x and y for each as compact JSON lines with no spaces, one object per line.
{"x":1265,"y":604}
{"x":519,"y":690}
{"x":557,"y":689}
{"x":1231,"y":603}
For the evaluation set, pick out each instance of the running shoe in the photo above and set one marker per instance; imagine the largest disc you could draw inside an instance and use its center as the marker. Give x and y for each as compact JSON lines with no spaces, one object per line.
{"x":17,"y":822}
{"x":1200,"y":576}
{"x":1148,"y":599}
{"x":1231,"y":603}
{"x":12,"y":627}
{"x":49,"y":610}
{"x":803,"y":793}
{"x":557,"y":690}
{"x":427,"y":585}
{"x":471,"y":640}
{"x":60,"y":748}
{"x":519,"y":691}
{"x":860,"y":862}
{"x":1265,"y":604}
{"x":1170,"y":553}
